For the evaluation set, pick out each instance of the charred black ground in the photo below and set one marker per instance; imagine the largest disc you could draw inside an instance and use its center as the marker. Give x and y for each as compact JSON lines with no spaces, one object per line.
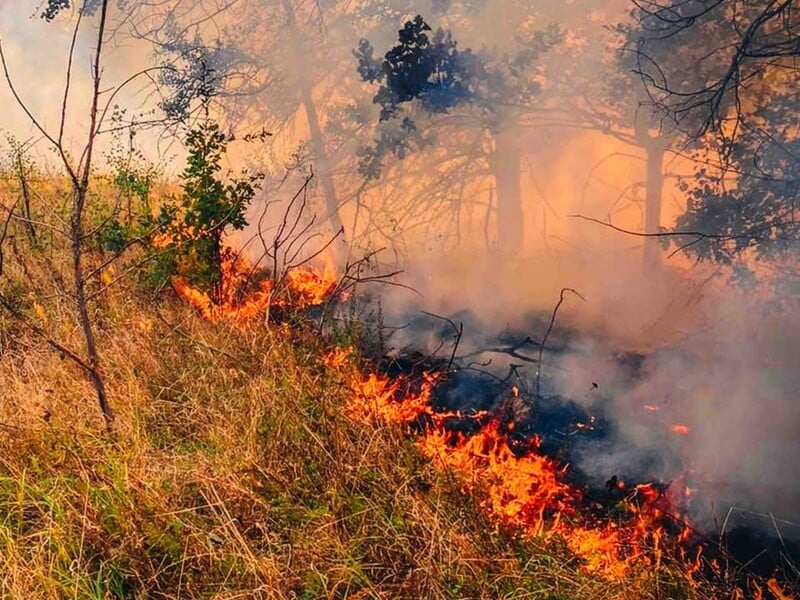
{"x":496,"y":377}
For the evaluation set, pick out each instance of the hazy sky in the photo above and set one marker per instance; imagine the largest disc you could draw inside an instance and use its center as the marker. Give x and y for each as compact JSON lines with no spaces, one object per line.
{"x":33,"y":48}
{"x":36,"y":56}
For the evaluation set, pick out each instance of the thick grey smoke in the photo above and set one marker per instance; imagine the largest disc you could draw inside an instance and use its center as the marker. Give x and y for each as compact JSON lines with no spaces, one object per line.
{"x":694,"y":380}
{"x":733,"y":380}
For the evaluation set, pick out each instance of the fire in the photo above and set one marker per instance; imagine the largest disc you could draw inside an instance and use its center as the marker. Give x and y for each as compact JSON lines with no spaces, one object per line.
{"x":375,"y":399}
{"x":337,"y":358}
{"x":680,"y":429}
{"x":775,"y":588}
{"x":523,"y":490}
{"x":309,"y":287}
{"x":303,"y":287}
{"x":244,"y":293}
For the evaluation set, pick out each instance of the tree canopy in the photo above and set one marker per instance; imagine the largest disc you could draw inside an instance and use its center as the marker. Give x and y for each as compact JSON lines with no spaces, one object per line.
{"x":740,"y":111}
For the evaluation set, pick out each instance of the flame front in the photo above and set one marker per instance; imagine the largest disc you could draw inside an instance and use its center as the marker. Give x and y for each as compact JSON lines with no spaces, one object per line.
{"x":523,"y":490}
{"x":302,"y":287}
{"x":310,"y":287}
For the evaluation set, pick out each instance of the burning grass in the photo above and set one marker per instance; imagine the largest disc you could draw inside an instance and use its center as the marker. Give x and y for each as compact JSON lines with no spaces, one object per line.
{"x":236,"y":474}
{"x":246,"y":290}
{"x":241,"y":300}
{"x":255,"y":463}
{"x":523,"y":490}
{"x":530,"y":495}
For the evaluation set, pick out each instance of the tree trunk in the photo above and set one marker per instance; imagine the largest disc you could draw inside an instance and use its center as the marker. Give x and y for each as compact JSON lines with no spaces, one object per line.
{"x":507,"y":171}
{"x":323,"y":171}
{"x":318,"y":147}
{"x":84,"y":320}
{"x":652,"y":212}
{"x":76,"y":230}
{"x":26,"y":197}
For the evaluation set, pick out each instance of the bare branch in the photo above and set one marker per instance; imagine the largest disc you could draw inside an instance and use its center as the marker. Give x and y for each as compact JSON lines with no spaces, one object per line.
{"x":459,"y":331}
{"x":547,"y":334}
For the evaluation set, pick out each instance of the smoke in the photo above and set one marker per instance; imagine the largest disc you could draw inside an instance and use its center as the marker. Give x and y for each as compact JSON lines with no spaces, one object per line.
{"x":696,"y":380}
{"x":732,"y":380}
{"x":695,"y":350}
{"x":36,"y":55}
{"x":21,"y":33}
{"x":690,"y":379}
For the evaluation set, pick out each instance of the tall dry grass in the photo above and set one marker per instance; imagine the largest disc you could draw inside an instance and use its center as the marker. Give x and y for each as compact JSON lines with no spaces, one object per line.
{"x":233,"y":471}
{"x":234,"y":474}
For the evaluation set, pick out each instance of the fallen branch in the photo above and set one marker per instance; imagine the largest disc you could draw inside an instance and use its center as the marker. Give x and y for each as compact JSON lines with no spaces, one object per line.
{"x":512,"y":351}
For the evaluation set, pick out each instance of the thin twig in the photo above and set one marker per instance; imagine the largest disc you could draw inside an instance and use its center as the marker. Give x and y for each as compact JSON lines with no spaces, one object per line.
{"x":547,"y":333}
{"x":459,"y":331}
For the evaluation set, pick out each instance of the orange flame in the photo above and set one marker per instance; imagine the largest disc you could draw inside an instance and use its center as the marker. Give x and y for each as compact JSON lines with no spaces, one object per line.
{"x":523,"y":490}
{"x":680,"y":429}
{"x":303,"y":287}
{"x":309,"y":287}
{"x":775,"y":588}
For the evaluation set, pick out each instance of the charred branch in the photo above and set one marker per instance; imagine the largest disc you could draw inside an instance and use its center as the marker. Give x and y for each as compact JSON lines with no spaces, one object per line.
{"x":543,"y":343}
{"x":459,"y":331}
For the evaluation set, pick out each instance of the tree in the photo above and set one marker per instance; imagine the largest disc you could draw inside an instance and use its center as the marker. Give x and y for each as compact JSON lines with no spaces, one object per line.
{"x":590,"y":86}
{"x":53,"y":7}
{"x":79,"y":175}
{"x":582,"y":86}
{"x":278,"y":66}
{"x":624,"y":115}
{"x":82,"y":223}
{"x":741,"y":114}
{"x":734,"y":43}
{"x":426,"y":75}
{"x":209,"y":208}
{"x":264,"y":68}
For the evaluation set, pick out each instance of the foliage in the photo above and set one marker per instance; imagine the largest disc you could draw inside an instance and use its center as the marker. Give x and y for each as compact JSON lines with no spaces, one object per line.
{"x":198,"y":75}
{"x":430,"y":69}
{"x":132,"y":216}
{"x":431,"y":72}
{"x":54,"y":7}
{"x":723,"y":73}
{"x":209,"y":208}
{"x":752,"y":203}
{"x":21,"y":167}
{"x":726,"y":48}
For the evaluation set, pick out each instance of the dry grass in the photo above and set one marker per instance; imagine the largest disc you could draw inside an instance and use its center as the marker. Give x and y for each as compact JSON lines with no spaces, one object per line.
{"x":234,"y":474}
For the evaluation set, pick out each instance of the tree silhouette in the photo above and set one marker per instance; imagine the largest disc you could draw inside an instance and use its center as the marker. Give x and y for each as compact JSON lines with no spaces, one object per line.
{"x":425,"y":75}
{"x":53,"y":7}
{"x":740,"y":109}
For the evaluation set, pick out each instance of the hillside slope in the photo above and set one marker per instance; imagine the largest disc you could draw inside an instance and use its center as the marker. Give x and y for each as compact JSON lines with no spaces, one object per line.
{"x":234,"y":472}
